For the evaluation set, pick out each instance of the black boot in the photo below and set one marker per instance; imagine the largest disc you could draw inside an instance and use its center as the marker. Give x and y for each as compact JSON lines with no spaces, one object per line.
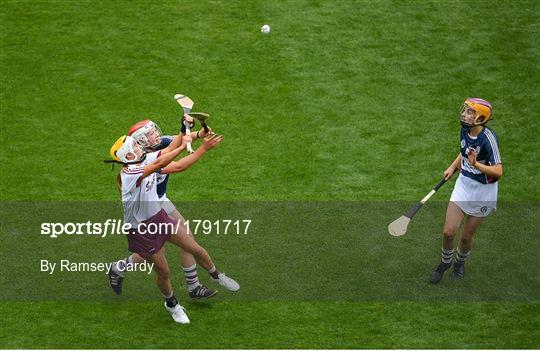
{"x":459,"y":270}
{"x":438,"y":271}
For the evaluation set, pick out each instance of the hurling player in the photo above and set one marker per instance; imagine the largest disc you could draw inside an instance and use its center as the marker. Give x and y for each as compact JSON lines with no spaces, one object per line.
{"x":475,"y":192}
{"x":148,"y":134}
{"x":142,"y":205}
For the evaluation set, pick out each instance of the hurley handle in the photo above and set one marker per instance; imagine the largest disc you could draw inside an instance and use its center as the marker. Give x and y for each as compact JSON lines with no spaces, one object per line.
{"x":187,"y":131}
{"x":411,"y":212}
{"x":439,"y":184}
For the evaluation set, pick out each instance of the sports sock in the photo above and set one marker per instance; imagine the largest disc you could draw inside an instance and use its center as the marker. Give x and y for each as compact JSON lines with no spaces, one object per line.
{"x":446,"y":255}
{"x":214,"y":273}
{"x":171,"y":301}
{"x":462,"y":257}
{"x":192,"y":279}
{"x":119,"y":267}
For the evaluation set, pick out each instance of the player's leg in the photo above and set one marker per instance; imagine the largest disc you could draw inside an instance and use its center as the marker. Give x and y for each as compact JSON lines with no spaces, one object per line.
{"x":465,"y":244}
{"x":118,"y":269}
{"x":161,"y":267}
{"x":454,"y":216}
{"x":163,"y":280}
{"x":196,"y":290}
{"x":184,"y":239}
{"x":189,"y":266}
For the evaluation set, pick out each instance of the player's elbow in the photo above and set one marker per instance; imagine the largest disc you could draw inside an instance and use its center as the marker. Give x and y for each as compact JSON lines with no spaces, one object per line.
{"x":498,"y":171}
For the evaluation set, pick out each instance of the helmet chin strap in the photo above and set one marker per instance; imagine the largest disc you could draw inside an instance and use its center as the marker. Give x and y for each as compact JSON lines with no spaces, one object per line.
{"x":143,"y":157}
{"x":466,"y":125}
{"x":469,"y":126}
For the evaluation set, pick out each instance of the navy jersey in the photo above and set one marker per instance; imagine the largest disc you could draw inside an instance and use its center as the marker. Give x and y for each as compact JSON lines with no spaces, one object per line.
{"x":486,"y":147}
{"x":162,"y":179}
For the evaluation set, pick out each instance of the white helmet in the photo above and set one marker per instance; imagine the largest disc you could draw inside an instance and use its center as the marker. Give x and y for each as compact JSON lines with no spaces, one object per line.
{"x":147,"y":133}
{"x":124,"y":150}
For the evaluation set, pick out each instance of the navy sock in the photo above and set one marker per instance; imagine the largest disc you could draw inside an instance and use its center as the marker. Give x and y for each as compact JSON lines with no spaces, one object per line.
{"x":171,"y":301}
{"x":214,"y":273}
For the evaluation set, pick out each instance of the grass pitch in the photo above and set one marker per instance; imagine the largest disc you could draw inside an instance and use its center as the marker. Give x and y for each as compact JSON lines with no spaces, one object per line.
{"x":345,"y":101}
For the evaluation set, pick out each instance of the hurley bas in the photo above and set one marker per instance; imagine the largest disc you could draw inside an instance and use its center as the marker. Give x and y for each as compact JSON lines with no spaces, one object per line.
{"x":68,"y":266}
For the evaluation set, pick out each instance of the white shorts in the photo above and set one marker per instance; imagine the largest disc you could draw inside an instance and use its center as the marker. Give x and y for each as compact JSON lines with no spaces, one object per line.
{"x":166,"y":204}
{"x":475,"y":198}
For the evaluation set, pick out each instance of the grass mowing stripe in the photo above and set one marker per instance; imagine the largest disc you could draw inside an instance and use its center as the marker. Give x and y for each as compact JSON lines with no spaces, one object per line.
{"x":273,"y":325}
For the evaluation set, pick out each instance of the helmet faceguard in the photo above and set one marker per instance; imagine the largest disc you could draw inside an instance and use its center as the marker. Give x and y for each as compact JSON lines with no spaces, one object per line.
{"x":126,"y":150}
{"x":146,"y":133}
{"x":475,"y":112}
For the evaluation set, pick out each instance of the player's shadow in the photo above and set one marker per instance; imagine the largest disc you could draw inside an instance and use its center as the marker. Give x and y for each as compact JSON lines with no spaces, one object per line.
{"x":201,"y":305}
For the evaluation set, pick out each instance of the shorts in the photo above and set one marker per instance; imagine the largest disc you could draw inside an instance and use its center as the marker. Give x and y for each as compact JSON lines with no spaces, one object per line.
{"x":147,"y":244}
{"x":167,"y":205}
{"x":475,"y":198}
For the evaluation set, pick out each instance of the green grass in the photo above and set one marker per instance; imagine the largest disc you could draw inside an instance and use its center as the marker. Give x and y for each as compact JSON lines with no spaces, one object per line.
{"x":346,"y":108}
{"x":276,"y":325}
{"x":336,"y":251}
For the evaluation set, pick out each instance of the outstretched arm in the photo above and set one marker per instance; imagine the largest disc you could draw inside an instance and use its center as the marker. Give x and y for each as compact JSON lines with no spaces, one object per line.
{"x":161,"y":162}
{"x":179,"y":141}
{"x":186,"y":162}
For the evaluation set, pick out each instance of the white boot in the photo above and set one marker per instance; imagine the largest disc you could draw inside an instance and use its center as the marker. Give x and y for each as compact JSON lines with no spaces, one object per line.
{"x":228,"y":283}
{"x":178,"y":313}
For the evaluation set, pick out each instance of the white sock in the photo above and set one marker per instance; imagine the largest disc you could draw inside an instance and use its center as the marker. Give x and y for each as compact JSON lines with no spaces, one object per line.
{"x":462,"y":257}
{"x":119,"y":267}
{"x":192,"y":279}
{"x":447,"y":255}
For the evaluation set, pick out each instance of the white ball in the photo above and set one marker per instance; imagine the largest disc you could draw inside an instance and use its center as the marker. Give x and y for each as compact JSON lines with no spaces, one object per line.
{"x":265,"y":29}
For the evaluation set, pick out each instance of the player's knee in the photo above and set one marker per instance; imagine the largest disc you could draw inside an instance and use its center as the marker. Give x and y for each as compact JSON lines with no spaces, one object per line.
{"x":137,"y":258}
{"x":163,"y":273}
{"x":466,"y":239}
{"x":449,"y":232}
{"x":199,"y":251}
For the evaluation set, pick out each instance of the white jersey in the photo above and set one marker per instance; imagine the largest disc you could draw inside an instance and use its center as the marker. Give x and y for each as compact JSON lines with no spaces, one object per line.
{"x":139,"y":195}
